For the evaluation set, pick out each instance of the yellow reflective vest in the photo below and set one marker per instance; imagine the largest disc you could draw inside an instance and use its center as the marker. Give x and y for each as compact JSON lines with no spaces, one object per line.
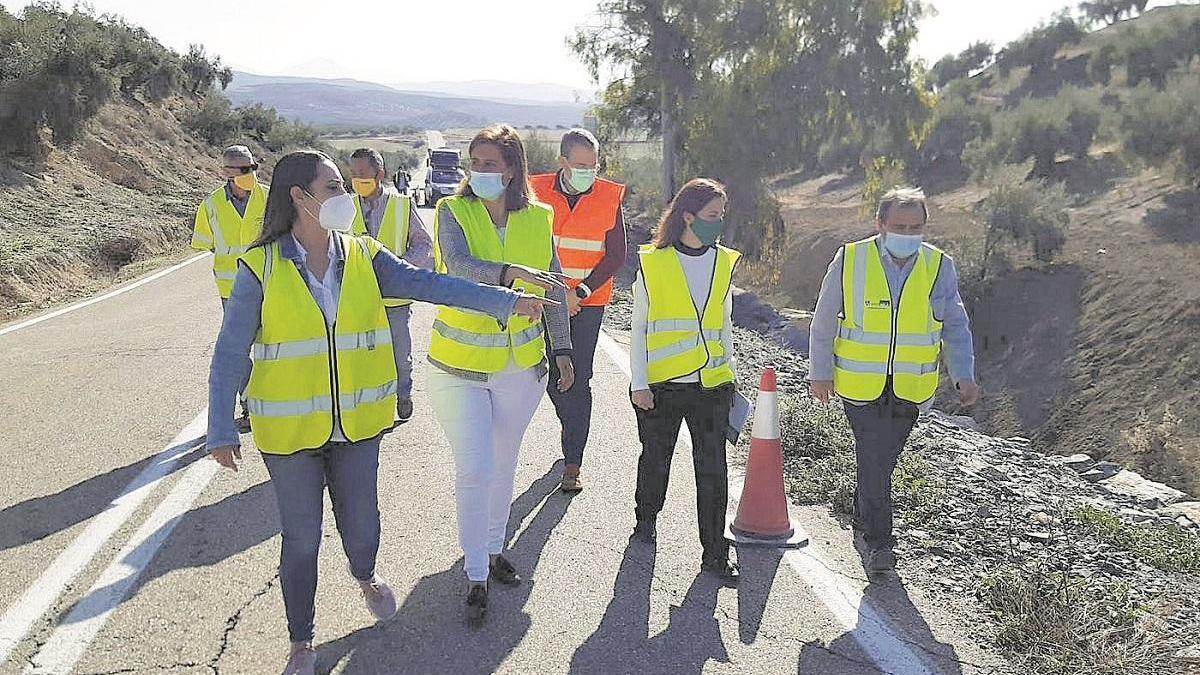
{"x":475,"y":342}
{"x":221,"y":229}
{"x":682,"y":339}
{"x":393,"y":230}
{"x":306,"y":371}
{"x":877,"y":341}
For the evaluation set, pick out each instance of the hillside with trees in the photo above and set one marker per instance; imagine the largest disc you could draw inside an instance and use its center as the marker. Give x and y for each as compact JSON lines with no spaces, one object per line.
{"x":107,"y":142}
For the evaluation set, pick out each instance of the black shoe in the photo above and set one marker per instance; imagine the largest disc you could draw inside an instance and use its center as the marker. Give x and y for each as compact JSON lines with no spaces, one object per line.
{"x":476,"y":602}
{"x":881,"y":560}
{"x":404,"y":409}
{"x":501,"y":570}
{"x":644,"y":531}
{"x":724,"y":568}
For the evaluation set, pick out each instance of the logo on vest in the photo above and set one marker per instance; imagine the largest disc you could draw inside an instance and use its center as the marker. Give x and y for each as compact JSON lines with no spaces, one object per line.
{"x":878,"y":304}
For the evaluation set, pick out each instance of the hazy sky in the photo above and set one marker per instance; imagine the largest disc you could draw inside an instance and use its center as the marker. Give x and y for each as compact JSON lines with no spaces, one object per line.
{"x":393,"y":41}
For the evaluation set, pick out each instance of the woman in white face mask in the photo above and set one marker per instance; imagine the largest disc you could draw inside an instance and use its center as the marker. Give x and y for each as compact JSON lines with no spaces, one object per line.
{"x":307,"y":303}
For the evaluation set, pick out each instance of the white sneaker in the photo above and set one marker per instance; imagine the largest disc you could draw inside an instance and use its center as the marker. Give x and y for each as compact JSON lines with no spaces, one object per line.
{"x":302,"y":660}
{"x":381,"y":601}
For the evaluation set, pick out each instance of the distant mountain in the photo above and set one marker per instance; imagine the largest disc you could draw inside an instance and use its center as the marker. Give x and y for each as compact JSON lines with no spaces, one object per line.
{"x":543,"y":92}
{"x":346,"y":103}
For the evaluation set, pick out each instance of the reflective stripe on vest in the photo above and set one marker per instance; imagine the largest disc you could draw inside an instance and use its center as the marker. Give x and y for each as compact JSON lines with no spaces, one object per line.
{"x":682,"y":339}
{"x":232,"y":232}
{"x":299,"y":361}
{"x":876,"y":340}
{"x":474,"y":342}
{"x":393,"y":230}
{"x":579,"y":232}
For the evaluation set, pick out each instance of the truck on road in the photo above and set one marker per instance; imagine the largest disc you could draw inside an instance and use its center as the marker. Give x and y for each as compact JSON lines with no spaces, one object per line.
{"x":442,"y":175}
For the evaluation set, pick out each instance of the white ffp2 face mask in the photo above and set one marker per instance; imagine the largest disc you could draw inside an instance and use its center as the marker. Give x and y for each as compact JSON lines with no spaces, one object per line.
{"x":337,"y":213}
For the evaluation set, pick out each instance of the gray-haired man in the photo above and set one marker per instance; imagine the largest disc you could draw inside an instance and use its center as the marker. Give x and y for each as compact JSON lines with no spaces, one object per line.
{"x":888,"y":305}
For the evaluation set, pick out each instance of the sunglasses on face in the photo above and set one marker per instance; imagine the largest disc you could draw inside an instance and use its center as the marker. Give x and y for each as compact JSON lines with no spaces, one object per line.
{"x":243,"y":169}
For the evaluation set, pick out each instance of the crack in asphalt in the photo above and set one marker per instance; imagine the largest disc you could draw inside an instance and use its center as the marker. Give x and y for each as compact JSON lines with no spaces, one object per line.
{"x":232,"y":622}
{"x":173,"y":666}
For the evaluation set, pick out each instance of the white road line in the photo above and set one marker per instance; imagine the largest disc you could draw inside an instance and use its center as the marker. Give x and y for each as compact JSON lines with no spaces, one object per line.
{"x":45,"y":591}
{"x":75,"y":633}
{"x":846,"y":603}
{"x":101,"y":298}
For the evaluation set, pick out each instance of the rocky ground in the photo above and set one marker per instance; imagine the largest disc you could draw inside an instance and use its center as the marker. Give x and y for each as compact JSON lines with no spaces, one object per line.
{"x":1069,"y":564}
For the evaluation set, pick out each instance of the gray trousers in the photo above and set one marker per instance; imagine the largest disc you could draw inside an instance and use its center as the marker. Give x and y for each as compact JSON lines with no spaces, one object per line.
{"x":881,"y":429}
{"x":398,"y":319}
{"x":350,"y":470}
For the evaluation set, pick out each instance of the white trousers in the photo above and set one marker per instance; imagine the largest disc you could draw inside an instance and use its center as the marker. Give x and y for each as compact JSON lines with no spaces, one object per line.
{"x":484,"y":423}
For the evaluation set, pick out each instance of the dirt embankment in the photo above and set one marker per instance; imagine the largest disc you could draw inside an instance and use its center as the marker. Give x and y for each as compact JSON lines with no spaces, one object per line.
{"x":1094,"y":353}
{"x":124,"y":194}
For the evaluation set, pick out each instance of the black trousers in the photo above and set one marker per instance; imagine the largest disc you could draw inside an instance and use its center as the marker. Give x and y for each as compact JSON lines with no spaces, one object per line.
{"x":574,"y":406}
{"x":706,"y":412}
{"x":881,"y":428}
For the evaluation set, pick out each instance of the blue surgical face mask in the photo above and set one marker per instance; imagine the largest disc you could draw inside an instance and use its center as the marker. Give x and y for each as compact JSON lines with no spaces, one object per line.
{"x":487,"y":186}
{"x":581,"y":180}
{"x":902,"y":245}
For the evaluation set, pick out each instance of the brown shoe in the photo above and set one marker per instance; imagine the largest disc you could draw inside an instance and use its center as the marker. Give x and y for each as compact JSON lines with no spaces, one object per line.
{"x":570,"y":478}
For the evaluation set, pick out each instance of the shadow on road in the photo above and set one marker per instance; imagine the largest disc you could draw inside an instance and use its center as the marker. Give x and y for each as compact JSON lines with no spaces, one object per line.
{"x":40,"y":517}
{"x":889,"y":600}
{"x":429,"y":634}
{"x":620,"y":644}
{"x":204,"y":536}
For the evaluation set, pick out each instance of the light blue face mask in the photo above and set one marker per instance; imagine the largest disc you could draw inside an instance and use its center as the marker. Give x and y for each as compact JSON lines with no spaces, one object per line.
{"x":902,"y":246}
{"x":581,"y":180}
{"x":487,"y":186}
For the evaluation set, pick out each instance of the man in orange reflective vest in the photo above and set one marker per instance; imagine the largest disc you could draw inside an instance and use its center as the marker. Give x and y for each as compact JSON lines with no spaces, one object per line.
{"x":589,"y":232}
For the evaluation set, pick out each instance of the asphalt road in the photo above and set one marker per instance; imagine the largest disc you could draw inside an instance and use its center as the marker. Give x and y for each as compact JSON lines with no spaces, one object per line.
{"x":122,"y":549}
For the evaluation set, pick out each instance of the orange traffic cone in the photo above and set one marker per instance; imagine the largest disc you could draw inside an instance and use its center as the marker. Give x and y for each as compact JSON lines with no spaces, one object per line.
{"x":762,"y":515}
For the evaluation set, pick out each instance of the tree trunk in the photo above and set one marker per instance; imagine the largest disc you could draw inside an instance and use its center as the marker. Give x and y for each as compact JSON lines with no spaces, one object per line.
{"x":667,"y":115}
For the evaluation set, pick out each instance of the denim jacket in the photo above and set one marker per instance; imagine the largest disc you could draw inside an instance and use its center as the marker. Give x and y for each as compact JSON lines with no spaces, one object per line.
{"x":243,"y":317}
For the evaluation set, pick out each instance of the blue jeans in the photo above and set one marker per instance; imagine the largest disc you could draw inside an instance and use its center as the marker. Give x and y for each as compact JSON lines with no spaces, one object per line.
{"x":247,"y":364}
{"x":398,"y":318}
{"x":350,"y":471}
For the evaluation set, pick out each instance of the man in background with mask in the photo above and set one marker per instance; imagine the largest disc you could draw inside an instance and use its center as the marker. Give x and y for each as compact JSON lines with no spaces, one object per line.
{"x":589,"y":233}
{"x":888,"y":305}
{"x":390,"y":218}
{"x":227,"y":221}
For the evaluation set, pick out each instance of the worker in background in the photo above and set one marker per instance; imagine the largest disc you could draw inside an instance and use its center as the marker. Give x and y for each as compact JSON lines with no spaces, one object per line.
{"x":888,"y":305}
{"x":681,"y":364}
{"x":390,"y":218}
{"x":226,"y":222}
{"x":589,"y":234}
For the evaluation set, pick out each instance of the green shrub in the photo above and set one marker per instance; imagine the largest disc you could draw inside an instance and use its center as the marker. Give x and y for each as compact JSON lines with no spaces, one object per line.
{"x":213,"y":120}
{"x":1041,"y":128}
{"x":956,"y":122}
{"x":541,"y":152}
{"x":1022,"y":212}
{"x":1160,"y":127}
{"x":953,"y":67}
{"x":1167,"y":547}
{"x":1057,"y":624}
{"x":1100,"y":64}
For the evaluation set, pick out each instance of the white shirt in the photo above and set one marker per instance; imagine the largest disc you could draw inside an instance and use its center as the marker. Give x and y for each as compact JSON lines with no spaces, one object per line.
{"x":697,"y":269}
{"x":325,"y":291}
